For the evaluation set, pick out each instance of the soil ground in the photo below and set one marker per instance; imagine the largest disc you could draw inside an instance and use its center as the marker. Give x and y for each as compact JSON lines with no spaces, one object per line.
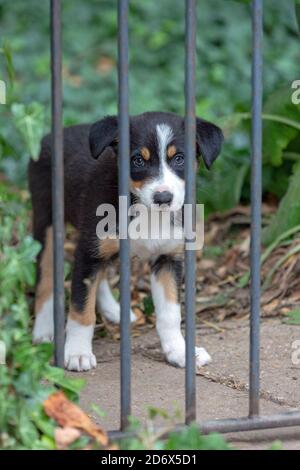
{"x":221,"y":386}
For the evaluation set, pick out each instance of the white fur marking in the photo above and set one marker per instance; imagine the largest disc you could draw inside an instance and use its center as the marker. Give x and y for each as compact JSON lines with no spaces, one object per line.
{"x":168,"y":321}
{"x":166,"y":178}
{"x":164,"y":137}
{"x":43,"y":330}
{"x":108,"y":305}
{"x":78,"y":348}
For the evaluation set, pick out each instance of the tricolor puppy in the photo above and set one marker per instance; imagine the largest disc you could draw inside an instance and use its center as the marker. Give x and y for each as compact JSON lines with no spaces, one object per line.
{"x":157,"y":181}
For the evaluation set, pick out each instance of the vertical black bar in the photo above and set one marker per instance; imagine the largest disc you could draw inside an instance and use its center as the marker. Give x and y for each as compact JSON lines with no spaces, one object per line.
{"x":190,"y":255}
{"x":57,"y":183}
{"x":256,"y":198}
{"x":124,"y":194}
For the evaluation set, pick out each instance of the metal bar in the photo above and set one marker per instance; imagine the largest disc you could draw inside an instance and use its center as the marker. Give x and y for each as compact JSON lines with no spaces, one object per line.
{"x":256,"y":198}
{"x":124,"y":174}
{"x":190,"y":255}
{"x":57,"y":184}
{"x":233,"y":425}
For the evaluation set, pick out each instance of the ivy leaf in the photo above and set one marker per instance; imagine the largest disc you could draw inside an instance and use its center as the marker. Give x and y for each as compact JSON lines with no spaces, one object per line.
{"x":288,"y":214}
{"x":58,"y":377}
{"x":29,"y":121}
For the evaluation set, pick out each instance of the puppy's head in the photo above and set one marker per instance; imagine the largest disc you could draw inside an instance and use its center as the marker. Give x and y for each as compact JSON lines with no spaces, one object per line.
{"x":157,"y":154}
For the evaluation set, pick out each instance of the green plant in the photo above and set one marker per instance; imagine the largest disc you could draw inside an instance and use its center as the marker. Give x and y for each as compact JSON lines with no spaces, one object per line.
{"x":147,"y":436}
{"x":26,"y":378}
{"x":281,"y":157}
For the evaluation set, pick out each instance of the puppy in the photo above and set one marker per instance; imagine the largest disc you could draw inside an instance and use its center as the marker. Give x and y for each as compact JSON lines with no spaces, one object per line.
{"x":91,"y":180}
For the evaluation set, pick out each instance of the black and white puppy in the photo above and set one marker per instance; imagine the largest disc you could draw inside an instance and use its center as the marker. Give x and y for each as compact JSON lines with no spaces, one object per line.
{"x":91,"y":179}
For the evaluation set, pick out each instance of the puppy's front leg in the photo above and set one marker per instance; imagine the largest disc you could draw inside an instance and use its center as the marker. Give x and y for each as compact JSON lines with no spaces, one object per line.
{"x":82,"y":316}
{"x":166,"y":280}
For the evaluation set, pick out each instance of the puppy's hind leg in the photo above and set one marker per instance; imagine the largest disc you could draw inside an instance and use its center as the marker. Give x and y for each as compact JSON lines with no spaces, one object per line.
{"x":43,"y":329}
{"x":106,"y":302}
{"x":39,"y":175}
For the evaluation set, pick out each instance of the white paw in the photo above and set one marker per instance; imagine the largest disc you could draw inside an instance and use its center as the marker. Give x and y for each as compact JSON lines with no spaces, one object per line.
{"x":80,"y":362}
{"x":107,"y":304}
{"x":78,"y":348}
{"x":46,"y":338}
{"x":202,"y":357}
{"x":176,"y":357}
{"x":115,"y":317}
{"x":43,"y":330}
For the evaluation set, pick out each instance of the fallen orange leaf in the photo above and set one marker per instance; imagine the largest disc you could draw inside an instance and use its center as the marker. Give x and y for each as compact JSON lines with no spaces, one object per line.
{"x":67,"y":414}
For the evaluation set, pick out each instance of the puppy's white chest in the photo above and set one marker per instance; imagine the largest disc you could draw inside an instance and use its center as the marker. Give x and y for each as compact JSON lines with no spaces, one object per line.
{"x":160,"y":238}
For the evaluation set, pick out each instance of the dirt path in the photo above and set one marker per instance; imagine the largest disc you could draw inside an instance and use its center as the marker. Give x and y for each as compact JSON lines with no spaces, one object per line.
{"x":221,"y":390}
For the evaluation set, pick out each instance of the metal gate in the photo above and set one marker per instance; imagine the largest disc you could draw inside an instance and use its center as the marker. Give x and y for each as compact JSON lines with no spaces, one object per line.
{"x":254,"y":420}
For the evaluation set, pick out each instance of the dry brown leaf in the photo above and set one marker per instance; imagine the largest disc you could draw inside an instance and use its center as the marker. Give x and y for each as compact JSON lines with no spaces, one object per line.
{"x":65,"y":436}
{"x":140,"y":317}
{"x":207,"y":263}
{"x":271,"y":307}
{"x":67,"y":414}
{"x":244,"y":247}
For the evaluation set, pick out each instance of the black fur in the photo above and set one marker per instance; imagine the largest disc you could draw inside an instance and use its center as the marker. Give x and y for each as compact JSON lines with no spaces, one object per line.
{"x":209,"y":140}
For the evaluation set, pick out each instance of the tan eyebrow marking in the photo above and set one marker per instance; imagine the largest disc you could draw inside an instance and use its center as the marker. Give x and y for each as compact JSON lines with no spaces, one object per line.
{"x":138,"y":184}
{"x":171,"y":151}
{"x":145,"y":152}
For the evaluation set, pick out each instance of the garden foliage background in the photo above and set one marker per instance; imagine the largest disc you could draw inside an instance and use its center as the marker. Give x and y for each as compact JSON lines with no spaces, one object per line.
{"x":156,"y":83}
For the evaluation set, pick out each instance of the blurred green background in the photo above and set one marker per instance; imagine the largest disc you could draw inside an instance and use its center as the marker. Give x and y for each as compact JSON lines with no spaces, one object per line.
{"x":156,"y":81}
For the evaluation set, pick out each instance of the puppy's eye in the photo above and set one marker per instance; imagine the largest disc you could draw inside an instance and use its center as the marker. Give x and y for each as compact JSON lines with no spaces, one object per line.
{"x":178,"y":159}
{"x":138,"y":161}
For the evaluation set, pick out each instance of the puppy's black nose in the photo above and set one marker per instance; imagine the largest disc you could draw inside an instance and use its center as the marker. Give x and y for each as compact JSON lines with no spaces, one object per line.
{"x":163,"y":197}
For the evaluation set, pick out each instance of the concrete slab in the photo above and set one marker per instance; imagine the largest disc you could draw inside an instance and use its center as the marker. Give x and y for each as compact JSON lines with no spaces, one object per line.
{"x":221,"y":389}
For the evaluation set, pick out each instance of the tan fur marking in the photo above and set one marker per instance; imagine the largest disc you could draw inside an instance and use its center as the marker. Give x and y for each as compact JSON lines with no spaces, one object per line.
{"x":137,"y":184}
{"x":108,"y":247}
{"x":88,"y":315}
{"x":145,"y":153}
{"x":171,"y":151}
{"x":45,"y":286}
{"x":169,"y":285}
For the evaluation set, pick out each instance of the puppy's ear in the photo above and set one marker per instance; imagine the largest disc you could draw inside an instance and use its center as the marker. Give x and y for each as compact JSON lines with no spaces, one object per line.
{"x":103,"y":134}
{"x":209,"y":139}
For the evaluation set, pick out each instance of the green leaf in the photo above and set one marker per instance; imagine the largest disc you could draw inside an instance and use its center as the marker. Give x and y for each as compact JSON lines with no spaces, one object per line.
{"x":244,"y":280}
{"x":190,"y":438}
{"x":154,"y":412}
{"x":293,"y":317}
{"x":276,"y":445}
{"x":29,"y":121}
{"x":297,"y":12}
{"x":212,"y":188}
{"x":6,"y":50}
{"x":277,"y":135}
{"x":57,"y":376}
{"x":27,"y":430}
{"x":148,"y":306}
{"x":288,"y":214}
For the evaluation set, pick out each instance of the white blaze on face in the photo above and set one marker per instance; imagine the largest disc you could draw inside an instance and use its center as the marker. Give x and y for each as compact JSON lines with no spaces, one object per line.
{"x":166,"y":180}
